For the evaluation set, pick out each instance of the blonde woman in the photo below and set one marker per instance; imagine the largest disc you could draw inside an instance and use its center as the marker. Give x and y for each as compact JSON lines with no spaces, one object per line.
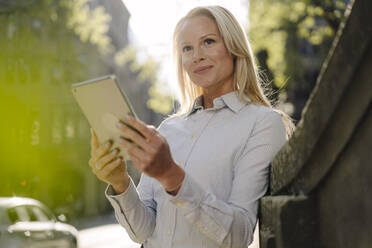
{"x":205,"y":168}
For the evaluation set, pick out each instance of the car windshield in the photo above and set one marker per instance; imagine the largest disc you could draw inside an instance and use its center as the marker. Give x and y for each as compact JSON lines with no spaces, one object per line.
{"x":39,"y":214}
{"x":18,"y":213}
{"x":29,"y":213}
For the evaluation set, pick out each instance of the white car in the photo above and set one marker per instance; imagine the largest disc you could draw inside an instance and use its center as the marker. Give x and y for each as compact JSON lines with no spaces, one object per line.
{"x":27,"y":223}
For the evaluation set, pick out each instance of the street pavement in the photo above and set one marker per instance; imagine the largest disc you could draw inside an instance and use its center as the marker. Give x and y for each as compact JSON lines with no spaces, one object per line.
{"x":105,"y":236}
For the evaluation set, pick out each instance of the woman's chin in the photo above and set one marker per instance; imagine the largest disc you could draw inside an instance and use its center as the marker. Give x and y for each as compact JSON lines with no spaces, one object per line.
{"x":204,"y":84}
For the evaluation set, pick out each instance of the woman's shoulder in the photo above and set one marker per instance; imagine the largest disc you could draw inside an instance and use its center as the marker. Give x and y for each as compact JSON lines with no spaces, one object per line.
{"x":170,"y":120}
{"x":260,"y":112}
{"x":269,"y":119}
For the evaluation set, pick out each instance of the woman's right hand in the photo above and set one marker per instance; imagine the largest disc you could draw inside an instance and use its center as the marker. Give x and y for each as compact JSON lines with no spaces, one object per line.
{"x":107,"y":166}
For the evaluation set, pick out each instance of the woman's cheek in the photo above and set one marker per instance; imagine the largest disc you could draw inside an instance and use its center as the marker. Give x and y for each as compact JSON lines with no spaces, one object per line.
{"x":186,"y":64}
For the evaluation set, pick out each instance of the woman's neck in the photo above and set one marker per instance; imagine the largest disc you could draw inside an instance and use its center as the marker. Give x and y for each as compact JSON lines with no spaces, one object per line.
{"x":210,"y":95}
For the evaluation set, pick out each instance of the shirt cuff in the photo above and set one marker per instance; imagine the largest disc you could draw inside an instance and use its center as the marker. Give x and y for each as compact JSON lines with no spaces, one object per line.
{"x":126,"y":200}
{"x":189,"y":196}
{"x":192,"y":201}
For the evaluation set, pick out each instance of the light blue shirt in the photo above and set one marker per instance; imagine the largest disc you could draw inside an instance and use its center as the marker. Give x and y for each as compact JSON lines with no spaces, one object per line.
{"x":225,"y":151}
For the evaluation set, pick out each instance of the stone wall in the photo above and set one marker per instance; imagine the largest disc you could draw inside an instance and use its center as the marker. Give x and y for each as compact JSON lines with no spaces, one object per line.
{"x":321,"y":183}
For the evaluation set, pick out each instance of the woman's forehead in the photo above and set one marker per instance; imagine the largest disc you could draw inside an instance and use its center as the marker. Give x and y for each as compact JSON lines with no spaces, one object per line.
{"x":197,"y":27}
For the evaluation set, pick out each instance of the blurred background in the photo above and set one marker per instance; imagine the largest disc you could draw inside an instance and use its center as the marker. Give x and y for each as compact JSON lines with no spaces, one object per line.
{"x":46,"y":45}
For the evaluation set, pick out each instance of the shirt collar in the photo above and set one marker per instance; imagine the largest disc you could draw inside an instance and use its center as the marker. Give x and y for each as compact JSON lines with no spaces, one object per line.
{"x":230,"y":100}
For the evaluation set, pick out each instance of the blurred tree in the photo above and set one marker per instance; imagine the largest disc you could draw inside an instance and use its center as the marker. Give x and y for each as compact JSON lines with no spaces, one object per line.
{"x":91,"y":25}
{"x":296,"y":35}
{"x":44,"y":142}
{"x":146,"y":72}
{"x":45,"y":46}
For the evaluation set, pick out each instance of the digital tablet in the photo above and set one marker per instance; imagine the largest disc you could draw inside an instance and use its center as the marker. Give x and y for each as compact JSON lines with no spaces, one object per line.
{"x":104,"y":104}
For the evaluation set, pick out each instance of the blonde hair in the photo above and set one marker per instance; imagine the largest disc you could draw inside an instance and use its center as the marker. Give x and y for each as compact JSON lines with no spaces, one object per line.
{"x":246,"y":79}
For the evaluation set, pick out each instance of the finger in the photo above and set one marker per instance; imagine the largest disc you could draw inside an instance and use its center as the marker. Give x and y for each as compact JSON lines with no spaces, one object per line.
{"x":91,"y":162}
{"x":109,"y":168}
{"x":139,"y":125}
{"x":102,"y":150}
{"x":94,"y":143}
{"x":135,"y":137}
{"x":106,"y":159}
{"x":132,"y":149}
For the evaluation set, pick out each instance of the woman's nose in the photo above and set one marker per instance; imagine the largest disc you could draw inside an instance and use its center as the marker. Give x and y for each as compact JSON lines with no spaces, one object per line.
{"x":198,"y":55}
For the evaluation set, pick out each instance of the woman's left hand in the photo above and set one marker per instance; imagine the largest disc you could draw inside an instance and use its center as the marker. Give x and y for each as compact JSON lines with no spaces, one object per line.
{"x":150,"y":153}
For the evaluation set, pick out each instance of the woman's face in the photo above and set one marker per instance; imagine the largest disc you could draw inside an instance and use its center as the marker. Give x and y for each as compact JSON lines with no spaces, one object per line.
{"x":204,"y":55}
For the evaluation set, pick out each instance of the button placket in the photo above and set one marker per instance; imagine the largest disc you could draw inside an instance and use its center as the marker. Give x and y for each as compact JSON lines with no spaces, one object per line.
{"x":172,"y":215}
{"x":205,"y":119}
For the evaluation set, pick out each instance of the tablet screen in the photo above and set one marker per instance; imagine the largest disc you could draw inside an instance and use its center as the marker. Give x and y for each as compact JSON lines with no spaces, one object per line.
{"x":103,"y":103}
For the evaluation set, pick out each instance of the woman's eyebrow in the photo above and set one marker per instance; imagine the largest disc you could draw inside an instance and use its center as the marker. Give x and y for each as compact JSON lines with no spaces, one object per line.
{"x":202,"y":37}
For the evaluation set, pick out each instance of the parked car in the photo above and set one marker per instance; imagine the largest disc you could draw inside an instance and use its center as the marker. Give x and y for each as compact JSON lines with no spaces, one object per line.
{"x":27,"y":223}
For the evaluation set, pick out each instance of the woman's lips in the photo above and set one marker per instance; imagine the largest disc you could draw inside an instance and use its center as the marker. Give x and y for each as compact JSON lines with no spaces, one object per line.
{"x":202,"y":69}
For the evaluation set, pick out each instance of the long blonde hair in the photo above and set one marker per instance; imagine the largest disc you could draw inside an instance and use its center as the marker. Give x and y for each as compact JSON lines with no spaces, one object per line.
{"x":246,"y":79}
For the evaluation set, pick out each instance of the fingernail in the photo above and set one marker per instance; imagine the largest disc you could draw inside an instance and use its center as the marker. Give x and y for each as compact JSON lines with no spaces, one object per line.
{"x":107,"y":144}
{"x":127,"y":117}
{"x":114,"y":152}
{"x":119,"y":124}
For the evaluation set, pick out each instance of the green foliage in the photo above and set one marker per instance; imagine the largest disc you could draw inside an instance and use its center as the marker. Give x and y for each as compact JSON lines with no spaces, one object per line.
{"x":46,"y":46}
{"x":146,"y":72}
{"x":265,"y":33}
{"x":44,"y":137}
{"x":127,"y":55}
{"x":90,"y":25}
{"x":280,"y":26}
{"x":159,"y":101}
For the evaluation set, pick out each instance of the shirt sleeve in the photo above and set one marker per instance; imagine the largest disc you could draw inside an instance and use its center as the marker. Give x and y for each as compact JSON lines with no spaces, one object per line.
{"x":135,"y":212}
{"x":135,"y":209}
{"x":231,"y":223}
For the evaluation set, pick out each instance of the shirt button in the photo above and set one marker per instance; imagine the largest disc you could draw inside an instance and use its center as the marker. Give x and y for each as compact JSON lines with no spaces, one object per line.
{"x":169,"y":231}
{"x":193,"y":136}
{"x":182,"y":164}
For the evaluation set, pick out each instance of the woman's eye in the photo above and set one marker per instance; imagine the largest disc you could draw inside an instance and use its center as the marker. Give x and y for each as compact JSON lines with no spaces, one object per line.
{"x":186,"y":48}
{"x":208,"y":41}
